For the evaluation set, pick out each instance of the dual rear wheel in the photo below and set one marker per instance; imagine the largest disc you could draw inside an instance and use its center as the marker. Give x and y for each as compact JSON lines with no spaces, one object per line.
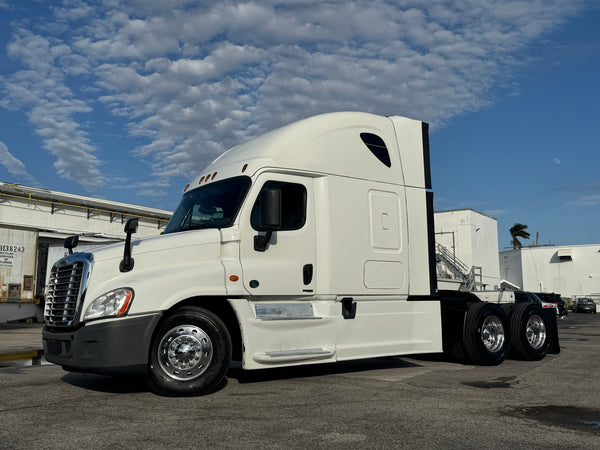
{"x":489,"y":334}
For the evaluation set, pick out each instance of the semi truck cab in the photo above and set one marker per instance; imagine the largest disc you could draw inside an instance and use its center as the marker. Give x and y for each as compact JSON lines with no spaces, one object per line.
{"x":312,"y":243}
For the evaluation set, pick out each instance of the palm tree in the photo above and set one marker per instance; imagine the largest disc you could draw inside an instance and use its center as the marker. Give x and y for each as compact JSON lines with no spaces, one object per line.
{"x":518,"y":231}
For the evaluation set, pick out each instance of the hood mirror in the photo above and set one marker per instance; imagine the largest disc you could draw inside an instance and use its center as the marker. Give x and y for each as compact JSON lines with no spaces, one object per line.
{"x":127,"y":262}
{"x":71,"y":242}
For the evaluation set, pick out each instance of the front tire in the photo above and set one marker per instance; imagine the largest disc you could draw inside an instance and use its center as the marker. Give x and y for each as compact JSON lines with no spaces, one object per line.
{"x":190,"y":353}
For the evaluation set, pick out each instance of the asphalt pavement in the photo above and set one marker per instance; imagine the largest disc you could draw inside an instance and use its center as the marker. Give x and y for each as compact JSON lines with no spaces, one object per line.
{"x":401,"y":402}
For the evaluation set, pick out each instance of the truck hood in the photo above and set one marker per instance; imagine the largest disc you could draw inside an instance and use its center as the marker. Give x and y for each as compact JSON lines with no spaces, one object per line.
{"x":159,"y":243}
{"x":167,"y":269}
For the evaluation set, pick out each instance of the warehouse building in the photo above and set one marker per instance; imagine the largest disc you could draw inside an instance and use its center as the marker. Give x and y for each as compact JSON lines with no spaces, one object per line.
{"x":467,"y":250}
{"x":33,"y":225}
{"x":572,"y":271}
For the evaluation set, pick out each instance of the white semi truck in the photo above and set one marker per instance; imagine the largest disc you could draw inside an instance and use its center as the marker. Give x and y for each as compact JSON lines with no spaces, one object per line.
{"x":313,"y":243}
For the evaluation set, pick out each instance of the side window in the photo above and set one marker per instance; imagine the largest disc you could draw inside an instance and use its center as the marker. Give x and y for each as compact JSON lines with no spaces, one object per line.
{"x":293,"y":206}
{"x":377,"y":147}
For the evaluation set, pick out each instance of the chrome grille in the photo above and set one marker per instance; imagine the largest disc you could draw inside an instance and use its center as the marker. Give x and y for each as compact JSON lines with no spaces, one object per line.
{"x":65,"y":290}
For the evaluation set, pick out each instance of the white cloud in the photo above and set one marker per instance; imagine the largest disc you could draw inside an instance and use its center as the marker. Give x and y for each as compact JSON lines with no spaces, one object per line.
{"x":52,"y":107}
{"x":73,"y":10}
{"x":585,"y":201}
{"x":194,"y":78}
{"x":14,"y":165}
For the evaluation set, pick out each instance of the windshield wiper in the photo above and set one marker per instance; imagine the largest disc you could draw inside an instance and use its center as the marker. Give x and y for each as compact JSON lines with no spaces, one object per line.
{"x":196,"y":227}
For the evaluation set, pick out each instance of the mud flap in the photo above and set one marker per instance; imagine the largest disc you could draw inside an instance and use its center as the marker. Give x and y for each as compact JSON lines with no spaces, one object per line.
{"x":553,"y":331}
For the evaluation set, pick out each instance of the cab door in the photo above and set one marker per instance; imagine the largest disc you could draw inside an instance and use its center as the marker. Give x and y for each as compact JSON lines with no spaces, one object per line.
{"x":285,"y":265}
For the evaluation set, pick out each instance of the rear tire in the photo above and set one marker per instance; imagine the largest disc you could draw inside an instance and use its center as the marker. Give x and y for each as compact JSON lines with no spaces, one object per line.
{"x":190,"y":353}
{"x":485,"y":339}
{"x":529,"y":332}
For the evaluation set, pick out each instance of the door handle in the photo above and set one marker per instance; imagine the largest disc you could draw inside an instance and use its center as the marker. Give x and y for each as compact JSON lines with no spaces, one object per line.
{"x":307,"y":274}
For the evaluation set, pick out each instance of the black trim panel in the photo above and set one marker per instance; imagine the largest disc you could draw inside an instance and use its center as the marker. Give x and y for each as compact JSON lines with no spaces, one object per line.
{"x":423,"y":298}
{"x":120,"y":346}
{"x":431,"y":243}
{"x":426,"y":157}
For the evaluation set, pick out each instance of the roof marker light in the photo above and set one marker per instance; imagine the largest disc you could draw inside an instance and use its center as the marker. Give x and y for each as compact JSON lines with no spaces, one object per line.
{"x":186,"y":188}
{"x":214,"y":175}
{"x":244,"y":168}
{"x":201,"y":180}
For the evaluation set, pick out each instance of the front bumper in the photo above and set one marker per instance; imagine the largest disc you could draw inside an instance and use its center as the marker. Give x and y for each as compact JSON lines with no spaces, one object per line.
{"x":120,"y":346}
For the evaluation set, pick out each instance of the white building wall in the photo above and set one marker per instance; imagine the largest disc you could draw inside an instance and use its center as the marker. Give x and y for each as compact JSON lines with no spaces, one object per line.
{"x":473,"y":237}
{"x":32,"y":214}
{"x":511,"y":268}
{"x":542,"y":269}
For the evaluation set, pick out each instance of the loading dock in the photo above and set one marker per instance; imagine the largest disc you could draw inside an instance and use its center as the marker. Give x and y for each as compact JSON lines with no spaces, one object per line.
{"x":33,"y":225}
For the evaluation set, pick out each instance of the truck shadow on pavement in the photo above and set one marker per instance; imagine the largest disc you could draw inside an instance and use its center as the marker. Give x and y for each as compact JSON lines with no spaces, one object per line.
{"x":107,"y":384}
{"x":111,"y":384}
{"x":137,"y":384}
{"x":317,"y":370}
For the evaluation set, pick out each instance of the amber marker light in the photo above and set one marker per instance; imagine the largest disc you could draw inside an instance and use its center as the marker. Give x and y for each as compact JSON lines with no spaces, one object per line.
{"x":126,"y":302}
{"x":244,"y":168}
{"x":234,"y":278}
{"x":201,"y":180}
{"x":214,"y":175}
{"x":112,"y":304}
{"x":186,"y":188}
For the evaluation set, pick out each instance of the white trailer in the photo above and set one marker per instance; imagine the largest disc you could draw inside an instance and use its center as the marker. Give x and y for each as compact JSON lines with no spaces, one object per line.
{"x":18,"y":249}
{"x":313,"y":243}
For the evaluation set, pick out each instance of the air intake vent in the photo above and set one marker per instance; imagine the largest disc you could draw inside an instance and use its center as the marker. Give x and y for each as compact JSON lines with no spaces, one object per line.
{"x":564,"y":254}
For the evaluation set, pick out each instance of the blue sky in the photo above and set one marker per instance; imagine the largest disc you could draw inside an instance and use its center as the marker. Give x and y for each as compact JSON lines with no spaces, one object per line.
{"x":128,"y":100}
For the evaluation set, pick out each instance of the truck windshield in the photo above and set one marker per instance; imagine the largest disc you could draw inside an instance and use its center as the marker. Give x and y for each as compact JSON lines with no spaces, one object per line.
{"x":214,"y":205}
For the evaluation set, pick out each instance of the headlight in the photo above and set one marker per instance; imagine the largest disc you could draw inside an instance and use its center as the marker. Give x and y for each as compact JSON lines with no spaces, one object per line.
{"x":113,"y":303}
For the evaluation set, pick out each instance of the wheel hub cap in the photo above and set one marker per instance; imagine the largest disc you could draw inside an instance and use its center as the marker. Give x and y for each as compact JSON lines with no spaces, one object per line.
{"x":536,"y":332}
{"x":492,"y":334}
{"x":185,"y":352}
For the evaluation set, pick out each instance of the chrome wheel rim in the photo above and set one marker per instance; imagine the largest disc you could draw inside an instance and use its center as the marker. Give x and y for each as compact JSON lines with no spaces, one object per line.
{"x":535,"y":330}
{"x":492,"y":333}
{"x":185,"y":352}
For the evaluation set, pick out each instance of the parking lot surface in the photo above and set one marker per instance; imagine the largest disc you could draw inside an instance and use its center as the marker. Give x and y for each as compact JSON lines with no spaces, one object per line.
{"x":402,"y":402}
